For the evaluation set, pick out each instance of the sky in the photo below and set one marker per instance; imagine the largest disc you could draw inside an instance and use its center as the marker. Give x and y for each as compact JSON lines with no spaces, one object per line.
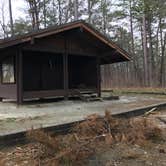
{"x":17,"y":8}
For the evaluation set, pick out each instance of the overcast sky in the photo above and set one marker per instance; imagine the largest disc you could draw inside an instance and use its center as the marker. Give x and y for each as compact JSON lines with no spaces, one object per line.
{"x":17,"y":7}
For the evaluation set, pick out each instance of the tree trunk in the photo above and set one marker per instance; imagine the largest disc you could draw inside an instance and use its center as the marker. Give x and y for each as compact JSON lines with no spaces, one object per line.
{"x":5,"y":34}
{"x":67,"y":11}
{"x":44,"y":13}
{"x":150,"y":54}
{"x":134,"y":68}
{"x":60,"y":12}
{"x":37,"y":23}
{"x":75,"y":10}
{"x":32,"y":13}
{"x":145,"y":50}
{"x":89,"y":12}
{"x":162,"y":67}
{"x":11,"y":18}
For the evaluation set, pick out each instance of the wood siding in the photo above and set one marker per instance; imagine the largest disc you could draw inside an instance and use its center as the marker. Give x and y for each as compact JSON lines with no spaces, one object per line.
{"x":56,"y":44}
{"x":7,"y":90}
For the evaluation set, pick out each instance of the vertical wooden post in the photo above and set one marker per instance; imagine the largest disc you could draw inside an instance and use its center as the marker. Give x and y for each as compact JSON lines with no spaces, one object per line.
{"x":19,"y":75}
{"x":98,"y":77}
{"x":1,"y":99}
{"x":65,"y":70}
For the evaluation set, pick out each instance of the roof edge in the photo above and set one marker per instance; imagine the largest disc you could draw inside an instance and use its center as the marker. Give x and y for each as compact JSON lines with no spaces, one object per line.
{"x":61,"y":28}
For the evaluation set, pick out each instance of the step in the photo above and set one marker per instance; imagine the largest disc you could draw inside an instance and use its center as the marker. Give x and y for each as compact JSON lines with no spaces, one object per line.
{"x":111,"y":98}
{"x":94,"y":99}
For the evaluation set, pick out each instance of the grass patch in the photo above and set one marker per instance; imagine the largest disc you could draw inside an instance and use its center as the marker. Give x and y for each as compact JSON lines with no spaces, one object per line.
{"x":8,"y":120}
{"x":155,"y":91}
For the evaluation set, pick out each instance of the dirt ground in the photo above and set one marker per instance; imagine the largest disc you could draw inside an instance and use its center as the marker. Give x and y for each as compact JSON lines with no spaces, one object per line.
{"x":36,"y":115}
{"x":139,"y":141}
{"x":151,"y":153}
{"x":131,"y":155}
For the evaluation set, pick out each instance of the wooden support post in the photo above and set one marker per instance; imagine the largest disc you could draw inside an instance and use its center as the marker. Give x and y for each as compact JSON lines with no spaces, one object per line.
{"x":98,"y":78}
{"x":1,"y":99}
{"x":19,"y":75}
{"x":65,"y":71}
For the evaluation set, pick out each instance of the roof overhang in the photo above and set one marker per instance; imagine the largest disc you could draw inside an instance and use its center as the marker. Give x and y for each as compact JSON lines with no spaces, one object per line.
{"x":117,"y":55}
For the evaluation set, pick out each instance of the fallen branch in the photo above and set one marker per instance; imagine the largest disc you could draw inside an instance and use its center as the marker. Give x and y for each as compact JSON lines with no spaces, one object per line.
{"x":149,"y":112}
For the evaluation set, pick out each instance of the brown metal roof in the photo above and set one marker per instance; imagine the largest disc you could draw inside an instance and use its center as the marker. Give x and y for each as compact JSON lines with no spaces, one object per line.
{"x":61,"y":28}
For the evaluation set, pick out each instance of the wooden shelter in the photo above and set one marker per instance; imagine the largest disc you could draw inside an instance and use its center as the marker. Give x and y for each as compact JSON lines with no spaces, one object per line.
{"x":57,"y":61}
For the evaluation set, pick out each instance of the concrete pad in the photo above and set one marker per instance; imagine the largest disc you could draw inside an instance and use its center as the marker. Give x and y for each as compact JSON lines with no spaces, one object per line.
{"x":15,"y":119}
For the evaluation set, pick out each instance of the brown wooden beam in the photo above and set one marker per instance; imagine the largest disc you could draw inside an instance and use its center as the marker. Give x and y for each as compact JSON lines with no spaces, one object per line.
{"x":98,"y":77}
{"x":58,"y":51}
{"x":19,"y":76}
{"x":108,"y":42}
{"x":43,"y":93}
{"x":65,"y":71}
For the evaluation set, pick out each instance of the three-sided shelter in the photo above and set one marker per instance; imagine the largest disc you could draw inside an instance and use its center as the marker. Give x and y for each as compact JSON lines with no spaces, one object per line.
{"x":57,"y":61}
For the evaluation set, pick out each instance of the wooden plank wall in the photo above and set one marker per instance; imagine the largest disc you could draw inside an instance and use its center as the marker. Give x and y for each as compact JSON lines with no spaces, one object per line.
{"x":7,"y":90}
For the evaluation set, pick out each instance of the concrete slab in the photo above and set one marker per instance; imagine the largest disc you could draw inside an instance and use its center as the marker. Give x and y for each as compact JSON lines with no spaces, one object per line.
{"x":15,"y":119}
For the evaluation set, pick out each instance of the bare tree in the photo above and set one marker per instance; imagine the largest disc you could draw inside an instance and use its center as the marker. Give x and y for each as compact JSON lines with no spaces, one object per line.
{"x":44,"y":13}
{"x":11,"y":18}
{"x":60,"y":11}
{"x":2,"y":23}
{"x":163,"y":45}
{"x":145,"y":49}
{"x":75,"y":9}
{"x":34,"y":10}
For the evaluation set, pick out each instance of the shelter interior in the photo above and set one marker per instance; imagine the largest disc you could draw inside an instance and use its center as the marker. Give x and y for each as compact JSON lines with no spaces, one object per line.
{"x":44,"y":71}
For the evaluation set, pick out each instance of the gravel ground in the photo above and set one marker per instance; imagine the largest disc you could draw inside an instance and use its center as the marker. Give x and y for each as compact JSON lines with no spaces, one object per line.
{"x":14,"y":118}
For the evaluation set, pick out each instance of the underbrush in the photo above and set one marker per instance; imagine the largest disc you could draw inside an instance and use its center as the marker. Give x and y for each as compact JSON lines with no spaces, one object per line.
{"x":94,"y":134}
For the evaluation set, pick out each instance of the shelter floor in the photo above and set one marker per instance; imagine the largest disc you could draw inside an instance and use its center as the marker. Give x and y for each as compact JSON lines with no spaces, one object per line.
{"x":14,"y":119}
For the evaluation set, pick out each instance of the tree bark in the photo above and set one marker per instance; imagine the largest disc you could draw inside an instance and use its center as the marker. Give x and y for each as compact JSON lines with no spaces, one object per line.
{"x":11,"y":18}
{"x":44,"y":13}
{"x":37,"y":23}
{"x":162,"y":66}
{"x":5,"y":34}
{"x":75,"y":10}
{"x":60,"y":12}
{"x":89,"y":12}
{"x":151,"y":65}
{"x":145,"y":50}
